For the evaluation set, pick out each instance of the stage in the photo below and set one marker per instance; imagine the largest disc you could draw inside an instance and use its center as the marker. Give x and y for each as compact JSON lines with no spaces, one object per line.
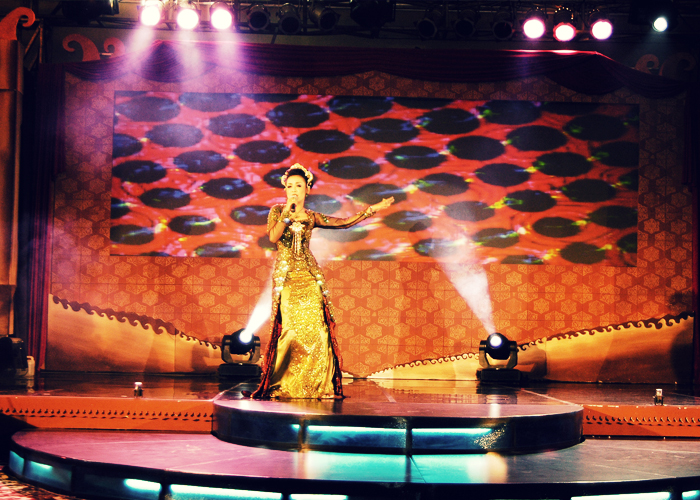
{"x":187,"y":438}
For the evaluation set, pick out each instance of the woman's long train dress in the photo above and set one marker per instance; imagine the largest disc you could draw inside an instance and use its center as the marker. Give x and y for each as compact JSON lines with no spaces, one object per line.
{"x":302,"y":358}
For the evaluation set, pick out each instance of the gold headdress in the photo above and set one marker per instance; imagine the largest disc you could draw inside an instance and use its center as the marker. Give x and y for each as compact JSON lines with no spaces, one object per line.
{"x":308,"y":175}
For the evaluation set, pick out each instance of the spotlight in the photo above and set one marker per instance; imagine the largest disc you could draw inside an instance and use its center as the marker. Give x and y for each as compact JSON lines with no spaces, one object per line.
{"x":465,"y":25}
{"x":372,"y":14}
{"x":258,"y":17}
{"x":151,"y":12}
{"x":220,"y":16}
{"x":240,"y":351}
{"x":324,"y":18}
{"x":534,"y":24}
{"x":429,"y":26}
{"x":84,"y":11}
{"x":664,"y":16}
{"x":289,"y":20}
{"x":661,"y":14}
{"x":502,"y":25}
{"x":187,"y":16}
{"x":600,"y":25}
{"x":497,"y":358}
{"x":564,"y":29}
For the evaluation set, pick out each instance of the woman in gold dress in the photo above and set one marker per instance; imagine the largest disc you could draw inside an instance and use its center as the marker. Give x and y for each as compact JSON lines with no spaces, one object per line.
{"x":302,"y":358}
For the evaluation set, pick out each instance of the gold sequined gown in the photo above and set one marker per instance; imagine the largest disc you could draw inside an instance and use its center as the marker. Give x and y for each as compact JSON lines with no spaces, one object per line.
{"x":302,"y":358}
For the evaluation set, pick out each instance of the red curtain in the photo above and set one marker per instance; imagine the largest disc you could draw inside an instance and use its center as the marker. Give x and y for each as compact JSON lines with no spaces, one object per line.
{"x":176,"y":61}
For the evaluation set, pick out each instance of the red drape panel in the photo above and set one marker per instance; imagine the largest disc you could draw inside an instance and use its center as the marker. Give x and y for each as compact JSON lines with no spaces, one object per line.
{"x":176,"y":61}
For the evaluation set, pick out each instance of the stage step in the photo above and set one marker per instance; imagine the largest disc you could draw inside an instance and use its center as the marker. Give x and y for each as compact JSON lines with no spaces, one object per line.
{"x":396,"y":428}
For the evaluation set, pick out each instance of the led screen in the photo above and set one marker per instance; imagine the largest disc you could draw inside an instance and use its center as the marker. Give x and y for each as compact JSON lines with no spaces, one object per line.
{"x":518,"y":182}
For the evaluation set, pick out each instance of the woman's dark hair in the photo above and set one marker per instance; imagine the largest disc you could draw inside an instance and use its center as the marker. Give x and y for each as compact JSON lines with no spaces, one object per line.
{"x":300,"y":173}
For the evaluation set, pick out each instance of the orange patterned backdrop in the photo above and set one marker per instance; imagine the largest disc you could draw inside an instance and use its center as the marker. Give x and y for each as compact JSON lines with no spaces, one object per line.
{"x":388,"y":313}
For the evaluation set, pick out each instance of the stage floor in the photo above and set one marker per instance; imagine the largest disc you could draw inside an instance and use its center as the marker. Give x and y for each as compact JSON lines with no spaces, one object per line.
{"x":424,"y":391}
{"x":138,"y":465}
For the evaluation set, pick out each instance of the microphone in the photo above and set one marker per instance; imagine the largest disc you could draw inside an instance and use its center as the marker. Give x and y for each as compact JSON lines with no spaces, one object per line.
{"x":293,"y":208}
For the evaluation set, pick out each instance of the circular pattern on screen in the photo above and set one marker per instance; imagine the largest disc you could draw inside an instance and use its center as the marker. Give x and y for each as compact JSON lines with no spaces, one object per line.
{"x":140,"y":171}
{"x":563,"y":164}
{"x":191,"y":225}
{"x":536,"y":138}
{"x":360,"y":107}
{"x":324,"y":141}
{"x":297,"y":115}
{"x":618,"y":154}
{"x":530,"y":200}
{"x":350,"y":167}
{"x":476,"y":147}
{"x":251,"y":215}
{"x":630,"y":180}
{"x":263,"y":152}
{"x":449,"y":121}
{"x":436,"y":248}
{"x":175,"y":135}
{"x":238,"y":125}
{"x":470,"y":211}
{"x":510,"y":112}
{"x":125,"y":145}
{"x":370,"y":254}
{"x":168,"y":198}
{"x":131,"y":234}
{"x":200,"y":162}
{"x":582,"y":253}
{"x":496,"y":237}
{"x":118,"y":208}
{"x":442,"y":184}
{"x":415,"y":157}
{"x":227,"y":188}
{"x":217,"y":250}
{"x":614,"y":216}
{"x":387,"y":130}
{"x":512,"y":172}
{"x":556,"y":227}
{"x":408,"y":220}
{"x":589,"y":190}
{"x":595,"y":127}
{"x":210,"y":102}
{"x":322,"y":203}
{"x":149,"y":109}
{"x":374,"y":193}
{"x":628,"y":243}
{"x":502,"y":174}
{"x":342,"y":235}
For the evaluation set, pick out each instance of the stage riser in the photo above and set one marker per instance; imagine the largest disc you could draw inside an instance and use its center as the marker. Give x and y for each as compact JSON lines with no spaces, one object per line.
{"x":153,"y":466}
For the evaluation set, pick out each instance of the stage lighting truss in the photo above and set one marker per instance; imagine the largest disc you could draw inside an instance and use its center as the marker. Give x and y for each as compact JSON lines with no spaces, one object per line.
{"x":600,"y":25}
{"x":289,"y":21}
{"x":84,"y":11}
{"x":564,"y":28}
{"x":534,"y":24}
{"x":220,"y":16}
{"x":465,"y":25}
{"x":502,"y":25}
{"x":372,"y":14}
{"x":324,"y":17}
{"x":258,"y":16}
{"x":187,"y":16}
{"x":151,"y":12}
{"x":431,"y":24}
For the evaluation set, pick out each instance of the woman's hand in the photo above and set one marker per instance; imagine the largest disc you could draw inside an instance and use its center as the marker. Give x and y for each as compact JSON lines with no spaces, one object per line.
{"x":385,"y":203}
